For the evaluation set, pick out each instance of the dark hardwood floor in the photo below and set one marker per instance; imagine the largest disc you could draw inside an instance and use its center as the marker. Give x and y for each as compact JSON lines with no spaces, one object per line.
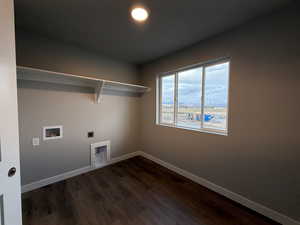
{"x":133,"y":192}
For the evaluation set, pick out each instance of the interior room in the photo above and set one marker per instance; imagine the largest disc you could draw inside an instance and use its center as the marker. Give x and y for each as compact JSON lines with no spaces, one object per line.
{"x":140,"y":112}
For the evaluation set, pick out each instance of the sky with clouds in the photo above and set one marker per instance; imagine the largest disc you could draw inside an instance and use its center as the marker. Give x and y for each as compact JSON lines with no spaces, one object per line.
{"x":190,"y":85}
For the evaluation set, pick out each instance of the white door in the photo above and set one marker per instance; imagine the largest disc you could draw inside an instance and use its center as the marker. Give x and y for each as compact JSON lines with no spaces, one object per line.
{"x":10,"y":188}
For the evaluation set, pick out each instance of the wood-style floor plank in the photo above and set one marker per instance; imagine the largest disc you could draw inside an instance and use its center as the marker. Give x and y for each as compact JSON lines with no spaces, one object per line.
{"x":133,"y":192}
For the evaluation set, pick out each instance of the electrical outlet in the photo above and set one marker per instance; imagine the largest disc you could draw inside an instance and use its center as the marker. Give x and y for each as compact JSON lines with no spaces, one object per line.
{"x":35,"y":141}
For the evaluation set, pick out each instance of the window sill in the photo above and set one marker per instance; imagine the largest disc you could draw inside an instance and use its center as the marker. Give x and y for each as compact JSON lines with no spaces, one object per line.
{"x":203,"y":130}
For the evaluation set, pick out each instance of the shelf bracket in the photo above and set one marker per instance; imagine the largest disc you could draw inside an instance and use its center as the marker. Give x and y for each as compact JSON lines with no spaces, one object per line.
{"x":98,"y":91}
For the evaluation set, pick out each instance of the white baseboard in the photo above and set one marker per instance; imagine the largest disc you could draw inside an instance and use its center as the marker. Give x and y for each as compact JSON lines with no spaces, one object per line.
{"x":124,"y":157}
{"x":73,"y":173}
{"x":44,"y":182}
{"x":270,"y":213}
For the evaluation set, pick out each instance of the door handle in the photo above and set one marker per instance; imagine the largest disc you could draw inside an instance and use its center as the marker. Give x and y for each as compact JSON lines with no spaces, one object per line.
{"x":12,"y":171}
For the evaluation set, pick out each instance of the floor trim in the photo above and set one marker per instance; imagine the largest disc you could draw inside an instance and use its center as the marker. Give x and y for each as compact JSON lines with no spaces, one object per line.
{"x":270,"y":213}
{"x":44,"y":182}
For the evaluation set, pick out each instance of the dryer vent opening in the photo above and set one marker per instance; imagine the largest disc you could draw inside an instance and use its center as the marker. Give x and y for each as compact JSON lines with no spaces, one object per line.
{"x":100,"y":154}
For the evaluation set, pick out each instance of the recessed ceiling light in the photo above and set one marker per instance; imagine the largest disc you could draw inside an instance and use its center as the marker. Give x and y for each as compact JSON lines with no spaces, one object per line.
{"x":139,"y":14}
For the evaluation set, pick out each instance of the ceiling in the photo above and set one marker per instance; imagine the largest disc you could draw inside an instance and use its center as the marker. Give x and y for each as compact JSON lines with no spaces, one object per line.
{"x":106,"y":27}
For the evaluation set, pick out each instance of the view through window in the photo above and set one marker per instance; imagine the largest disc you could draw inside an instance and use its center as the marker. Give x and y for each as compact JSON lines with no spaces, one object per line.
{"x":195,"y":98}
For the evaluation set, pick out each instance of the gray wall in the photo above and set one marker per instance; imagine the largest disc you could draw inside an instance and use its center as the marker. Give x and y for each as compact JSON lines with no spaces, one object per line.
{"x":259,"y":159}
{"x":116,"y":118}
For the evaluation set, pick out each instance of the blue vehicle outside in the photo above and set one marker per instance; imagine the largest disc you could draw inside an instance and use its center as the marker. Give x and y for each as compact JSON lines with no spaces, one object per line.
{"x":207,"y":117}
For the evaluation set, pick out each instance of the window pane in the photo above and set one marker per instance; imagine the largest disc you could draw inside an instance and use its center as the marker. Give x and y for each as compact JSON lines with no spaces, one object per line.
{"x":167,"y":99}
{"x":189,"y":98}
{"x":215,"y":96}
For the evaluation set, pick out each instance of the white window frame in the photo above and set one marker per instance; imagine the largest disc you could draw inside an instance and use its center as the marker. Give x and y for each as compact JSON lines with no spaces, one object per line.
{"x":175,"y":73}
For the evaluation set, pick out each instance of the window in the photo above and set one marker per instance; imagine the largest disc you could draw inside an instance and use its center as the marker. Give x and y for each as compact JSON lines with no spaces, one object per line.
{"x":195,"y":98}
{"x":167,"y":96}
